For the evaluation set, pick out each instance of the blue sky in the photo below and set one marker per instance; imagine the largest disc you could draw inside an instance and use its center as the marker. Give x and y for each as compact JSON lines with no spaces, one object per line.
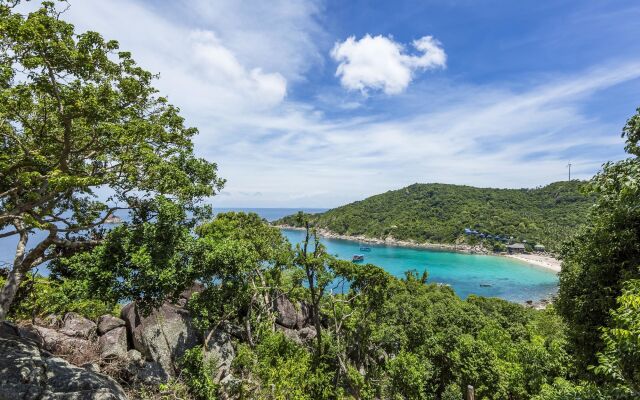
{"x":319,"y":103}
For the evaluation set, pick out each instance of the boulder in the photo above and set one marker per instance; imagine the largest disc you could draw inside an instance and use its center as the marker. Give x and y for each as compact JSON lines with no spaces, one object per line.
{"x":113,"y":344}
{"x":289,"y":333}
{"x":301,"y":336}
{"x":163,"y":336}
{"x":50,"y":321}
{"x":27,"y":372}
{"x":149,"y":373}
{"x":77,"y":325}
{"x":220,"y":350}
{"x":135,"y":357}
{"x":107,"y":323}
{"x":289,"y":315}
{"x":59,"y":343}
{"x":307,"y":334}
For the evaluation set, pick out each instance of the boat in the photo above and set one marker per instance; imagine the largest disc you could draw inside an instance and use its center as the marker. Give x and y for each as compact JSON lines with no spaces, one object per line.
{"x":365,"y":248}
{"x":485,"y":285}
{"x":358,"y":258}
{"x":113,"y":219}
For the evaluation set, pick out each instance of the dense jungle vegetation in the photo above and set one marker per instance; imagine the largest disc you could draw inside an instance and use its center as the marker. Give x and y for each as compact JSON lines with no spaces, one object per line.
{"x":77,"y":114}
{"x":439,"y":213}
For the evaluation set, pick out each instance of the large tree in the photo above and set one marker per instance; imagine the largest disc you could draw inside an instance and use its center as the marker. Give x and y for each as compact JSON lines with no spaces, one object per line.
{"x":83,"y":133}
{"x":606,"y":253}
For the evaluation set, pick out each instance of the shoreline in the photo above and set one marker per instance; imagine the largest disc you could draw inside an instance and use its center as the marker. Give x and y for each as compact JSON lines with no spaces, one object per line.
{"x":545,"y":261}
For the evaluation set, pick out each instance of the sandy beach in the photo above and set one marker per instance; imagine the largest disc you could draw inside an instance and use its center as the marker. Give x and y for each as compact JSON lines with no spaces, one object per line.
{"x":541,"y":260}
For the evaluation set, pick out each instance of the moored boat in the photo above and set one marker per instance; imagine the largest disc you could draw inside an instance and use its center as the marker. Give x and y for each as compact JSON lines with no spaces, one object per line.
{"x":113,"y":219}
{"x":357,"y":258}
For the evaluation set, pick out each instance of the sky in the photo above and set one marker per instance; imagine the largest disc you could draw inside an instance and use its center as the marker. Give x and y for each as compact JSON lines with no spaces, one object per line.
{"x":306,"y":103}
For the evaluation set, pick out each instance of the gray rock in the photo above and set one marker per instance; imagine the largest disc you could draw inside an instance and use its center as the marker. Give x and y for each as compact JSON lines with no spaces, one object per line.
{"x":302,"y":336}
{"x":220,"y":351}
{"x":56,"y":342}
{"x":307,"y":334}
{"x":291,"y":315}
{"x":27,"y":372}
{"x":162,"y":336}
{"x":77,"y":325}
{"x":150,"y":373}
{"x":113,"y":344}
{"x":107,"y":323}
{"x":135,"y":357}
{"x":91,"y":366}
{"x":290,"y":333}
{"x":50,"y":321}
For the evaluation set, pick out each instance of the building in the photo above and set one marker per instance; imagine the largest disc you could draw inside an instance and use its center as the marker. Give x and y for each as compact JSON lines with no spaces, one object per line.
{"x":515,"y":248}
{"x":538,"y":247}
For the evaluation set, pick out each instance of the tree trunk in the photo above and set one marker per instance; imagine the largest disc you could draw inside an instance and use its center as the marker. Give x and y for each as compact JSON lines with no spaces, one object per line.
{"x":9,"y":291}
{"x":14,"y":279}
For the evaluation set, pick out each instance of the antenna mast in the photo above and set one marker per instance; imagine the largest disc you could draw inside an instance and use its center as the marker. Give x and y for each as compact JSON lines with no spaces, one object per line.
{"x":569,"y":165}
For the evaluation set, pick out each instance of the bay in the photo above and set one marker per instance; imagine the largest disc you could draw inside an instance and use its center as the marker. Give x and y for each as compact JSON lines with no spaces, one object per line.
{"x":501,"y":277}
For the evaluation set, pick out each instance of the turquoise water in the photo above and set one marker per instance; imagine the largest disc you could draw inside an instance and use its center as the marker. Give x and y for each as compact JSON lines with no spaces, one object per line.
{"x":508,"y":279}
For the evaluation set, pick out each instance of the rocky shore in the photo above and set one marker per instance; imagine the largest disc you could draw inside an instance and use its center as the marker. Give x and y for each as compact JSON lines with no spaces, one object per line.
{"x":391,"y":241}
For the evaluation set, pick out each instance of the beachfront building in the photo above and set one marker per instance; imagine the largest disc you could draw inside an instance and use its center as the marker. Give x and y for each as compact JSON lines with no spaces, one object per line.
{"x":539,"y":248}
{"x":515,"y":248}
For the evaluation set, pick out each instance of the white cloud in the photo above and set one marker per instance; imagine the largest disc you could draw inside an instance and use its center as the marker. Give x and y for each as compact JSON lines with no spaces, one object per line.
{"x":234,"y":90}
{"x":219,"y":66}
{"x":380,"y":63}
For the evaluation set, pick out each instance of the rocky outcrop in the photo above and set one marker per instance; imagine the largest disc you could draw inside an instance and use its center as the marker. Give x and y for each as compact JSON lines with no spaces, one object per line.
{"x":107,"y":323}
{"x":59,"y":343}
{"x":220,"y":350}
{"x":291,"y":315}
{"x":27,"y":372}
{"x":113,"y":344}
{"x":300,"y":336}
{"x":78,"y":326}
{"x":163,"y":336}
{"x":138,"y":348}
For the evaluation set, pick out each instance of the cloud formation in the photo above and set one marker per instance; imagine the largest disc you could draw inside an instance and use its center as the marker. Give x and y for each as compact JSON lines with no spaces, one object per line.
{"x":236,"y":69}
{"x":218,"y":66}
{"x":380,"y":63}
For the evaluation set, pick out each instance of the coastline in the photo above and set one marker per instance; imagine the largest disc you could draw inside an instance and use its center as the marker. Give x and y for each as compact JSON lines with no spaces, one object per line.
{"x":540,"y":260}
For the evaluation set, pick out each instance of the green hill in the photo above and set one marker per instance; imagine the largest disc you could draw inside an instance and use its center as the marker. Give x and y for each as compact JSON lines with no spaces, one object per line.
{"x":439,"y":213}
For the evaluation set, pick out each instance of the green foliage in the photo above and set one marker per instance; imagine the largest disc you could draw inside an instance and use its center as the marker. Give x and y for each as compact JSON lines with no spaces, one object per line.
{"x":146,"y":261}
{"x":240,"y":263}
{"x":439,"y":213}
{"x":77,"y":115}
{"x":604,"y":255}
{"x":407,"y":374}
{"x":40,"y":297}
{"x":285,"y":369}
{"x":197,"y":374}
{"x":620,"y":360}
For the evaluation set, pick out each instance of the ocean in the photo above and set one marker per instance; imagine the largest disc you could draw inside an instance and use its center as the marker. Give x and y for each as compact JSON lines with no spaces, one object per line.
{"x":466,"y":273}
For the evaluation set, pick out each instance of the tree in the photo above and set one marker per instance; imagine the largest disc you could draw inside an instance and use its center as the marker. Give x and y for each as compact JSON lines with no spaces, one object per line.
{"x":146,"y":261}
{"x":318,"y":274}
{"x":620,"y":360}
{"x":77,"y":115}
{"x":605,"y":254}
{"x":240,"y":266}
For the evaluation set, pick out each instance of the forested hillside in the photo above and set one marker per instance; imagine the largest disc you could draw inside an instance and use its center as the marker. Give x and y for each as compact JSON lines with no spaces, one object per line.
{"x":439,"y":213}
{"x":225,"y":307}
